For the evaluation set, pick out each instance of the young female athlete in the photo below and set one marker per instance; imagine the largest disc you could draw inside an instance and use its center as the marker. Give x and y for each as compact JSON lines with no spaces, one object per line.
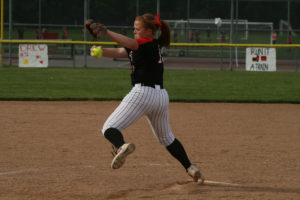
{"x":147,"y":96}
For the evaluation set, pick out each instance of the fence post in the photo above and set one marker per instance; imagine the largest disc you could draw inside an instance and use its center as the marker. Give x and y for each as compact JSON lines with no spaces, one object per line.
{"x":73,"y":54}
{"x":231,"y":33}
{"x":222,"y":57}
{"x":297,"y":59}
{"x":10,"y":32}
{"x":85,"y":35}
{"x":2,"y":10}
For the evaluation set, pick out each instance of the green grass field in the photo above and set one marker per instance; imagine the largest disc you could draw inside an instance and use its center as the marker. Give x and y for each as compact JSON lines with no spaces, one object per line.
{"x":114,"y":84}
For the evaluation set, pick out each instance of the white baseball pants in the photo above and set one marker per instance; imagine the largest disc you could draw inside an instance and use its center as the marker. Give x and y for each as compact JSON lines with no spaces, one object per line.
{"x":140,"y":101}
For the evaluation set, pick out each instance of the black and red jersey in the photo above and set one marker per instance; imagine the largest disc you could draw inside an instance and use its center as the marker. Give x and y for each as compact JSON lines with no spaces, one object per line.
{"x":147,"y":62}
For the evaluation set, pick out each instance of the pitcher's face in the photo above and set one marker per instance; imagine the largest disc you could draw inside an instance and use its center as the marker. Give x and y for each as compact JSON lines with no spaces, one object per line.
{"x":140,"y":31}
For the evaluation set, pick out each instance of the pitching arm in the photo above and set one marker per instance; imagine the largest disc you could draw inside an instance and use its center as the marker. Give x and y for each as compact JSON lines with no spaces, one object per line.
{"x":115,"y":52}
{"x":123,"y":40}
{"x":108,"y":52}
{"x":98,"y":30}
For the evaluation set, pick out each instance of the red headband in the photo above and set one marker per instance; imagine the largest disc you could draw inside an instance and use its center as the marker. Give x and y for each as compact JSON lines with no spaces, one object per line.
{"x":157,"y":21}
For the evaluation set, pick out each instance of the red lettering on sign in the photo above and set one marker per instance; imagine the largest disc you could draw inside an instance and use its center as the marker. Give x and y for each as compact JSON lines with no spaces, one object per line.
{"x":22,"y":48}
{"x":24,"y":54}
{"x":28,"y":47}
{"x":255,"y":58}
{"x":25,"y":49}
{"x":263,"y":58}
{"x":41,"y":48}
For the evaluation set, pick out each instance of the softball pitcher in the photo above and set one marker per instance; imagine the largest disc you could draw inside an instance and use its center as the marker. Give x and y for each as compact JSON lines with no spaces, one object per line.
{"x":147,"y":96}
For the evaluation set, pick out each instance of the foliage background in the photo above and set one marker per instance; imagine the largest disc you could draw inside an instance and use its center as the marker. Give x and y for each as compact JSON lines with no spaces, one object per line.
{"x":122,"y":12}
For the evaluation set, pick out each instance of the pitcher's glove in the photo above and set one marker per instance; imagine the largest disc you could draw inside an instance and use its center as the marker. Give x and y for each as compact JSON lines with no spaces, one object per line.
{"x":95,"y":29}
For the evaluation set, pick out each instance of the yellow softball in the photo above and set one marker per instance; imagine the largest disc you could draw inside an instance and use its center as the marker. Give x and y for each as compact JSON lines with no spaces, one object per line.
{"x":97,"y":52}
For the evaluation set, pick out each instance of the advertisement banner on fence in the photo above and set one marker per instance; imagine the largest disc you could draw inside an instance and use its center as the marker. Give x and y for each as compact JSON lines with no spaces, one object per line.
{"x":260,"y":59}
{"x":33,"y":55}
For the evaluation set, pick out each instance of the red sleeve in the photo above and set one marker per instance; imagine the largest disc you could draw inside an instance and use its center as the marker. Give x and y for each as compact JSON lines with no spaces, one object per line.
{"x":143,"y":40}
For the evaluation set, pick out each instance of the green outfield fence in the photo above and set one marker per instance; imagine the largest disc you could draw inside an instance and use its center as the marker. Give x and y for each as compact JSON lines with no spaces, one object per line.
{"x":208,"y":56}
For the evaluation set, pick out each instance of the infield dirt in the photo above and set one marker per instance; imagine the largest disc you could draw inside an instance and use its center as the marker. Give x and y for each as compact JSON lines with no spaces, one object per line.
{"x":55,"y":150}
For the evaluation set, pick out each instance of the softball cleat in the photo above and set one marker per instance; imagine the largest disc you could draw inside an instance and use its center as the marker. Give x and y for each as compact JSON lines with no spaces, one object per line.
{"x":121,"y":155}
{"x":195,"y":173}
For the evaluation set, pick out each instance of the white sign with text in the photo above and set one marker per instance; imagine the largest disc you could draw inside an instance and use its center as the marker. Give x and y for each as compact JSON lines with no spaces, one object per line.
{"x":33,"y":55}
{"x":260,"y":59}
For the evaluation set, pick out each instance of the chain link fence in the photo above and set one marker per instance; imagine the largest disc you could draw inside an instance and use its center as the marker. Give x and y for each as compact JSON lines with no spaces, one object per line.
{"x":188,"y":30}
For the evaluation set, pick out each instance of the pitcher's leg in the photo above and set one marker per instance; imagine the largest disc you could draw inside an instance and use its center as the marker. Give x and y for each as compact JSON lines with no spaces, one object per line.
{"x":133,"y":106}
{"x":131,"y":109}
{"x":159,"y":122}
{"x":115,"y":137}
{"x":161,"y":129}
{"x":124,"y":115}
{"x":177,"y":151}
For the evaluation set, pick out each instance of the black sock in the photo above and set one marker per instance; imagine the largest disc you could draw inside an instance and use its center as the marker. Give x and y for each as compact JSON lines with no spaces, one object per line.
{"x":114,"y":136}
{"x":176,"y":149}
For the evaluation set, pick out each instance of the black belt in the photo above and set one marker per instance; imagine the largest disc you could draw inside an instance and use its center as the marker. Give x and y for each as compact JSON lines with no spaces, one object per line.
{"x":150,"y":85}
